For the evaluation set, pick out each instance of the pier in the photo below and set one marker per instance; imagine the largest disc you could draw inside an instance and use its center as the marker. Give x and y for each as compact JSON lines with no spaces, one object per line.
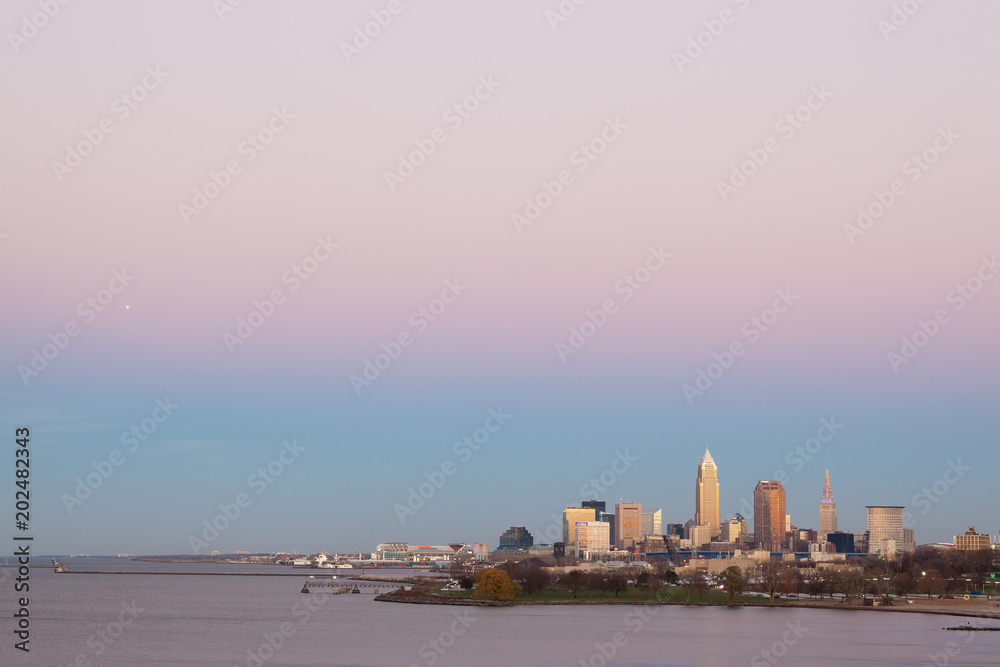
{"x":336,"y":587}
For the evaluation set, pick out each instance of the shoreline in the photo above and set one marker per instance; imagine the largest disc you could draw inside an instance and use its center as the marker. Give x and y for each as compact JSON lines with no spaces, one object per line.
{"x":394,"y":596}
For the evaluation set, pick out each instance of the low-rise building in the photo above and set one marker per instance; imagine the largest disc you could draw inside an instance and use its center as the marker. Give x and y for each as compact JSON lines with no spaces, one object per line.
{"x":972,"y":541}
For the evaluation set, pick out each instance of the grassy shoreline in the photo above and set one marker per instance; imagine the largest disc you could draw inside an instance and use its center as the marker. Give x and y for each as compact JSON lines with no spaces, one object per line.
{"x":521,"y":600}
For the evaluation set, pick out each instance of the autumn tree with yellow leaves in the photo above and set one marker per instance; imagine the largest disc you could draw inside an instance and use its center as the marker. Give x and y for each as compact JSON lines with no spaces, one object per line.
{"x":495,"y":583}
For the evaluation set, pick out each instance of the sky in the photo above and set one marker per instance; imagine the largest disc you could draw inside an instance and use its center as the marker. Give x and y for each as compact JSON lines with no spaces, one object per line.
{"x":265,"y":271}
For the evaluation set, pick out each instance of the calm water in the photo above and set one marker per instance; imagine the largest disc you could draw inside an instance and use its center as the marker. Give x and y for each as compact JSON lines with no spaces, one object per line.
{"x":205,"y":620}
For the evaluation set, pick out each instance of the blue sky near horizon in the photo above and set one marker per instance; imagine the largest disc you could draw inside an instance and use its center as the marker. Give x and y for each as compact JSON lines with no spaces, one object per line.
{"x":892,"y":95}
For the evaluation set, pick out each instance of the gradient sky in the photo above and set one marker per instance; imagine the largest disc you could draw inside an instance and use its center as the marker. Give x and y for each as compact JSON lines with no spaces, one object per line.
{"x":495,"y":345}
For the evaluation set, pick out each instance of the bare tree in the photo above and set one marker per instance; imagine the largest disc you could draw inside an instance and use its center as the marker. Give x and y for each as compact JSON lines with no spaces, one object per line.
{"x":904,"y":584}
{"x":653,"y":586}
{"x":534,"y":579}
{"x":595,"y":581}
{"x":695,"y":584}
{"x":932,"y":583}
{"x":854,"y":583}
{"x":773,"y":575}
{"x":883,"y":576}
{"x":615,"y":581}
{"x":572,"y":580}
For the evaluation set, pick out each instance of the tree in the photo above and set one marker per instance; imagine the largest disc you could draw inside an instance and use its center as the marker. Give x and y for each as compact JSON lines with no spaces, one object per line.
{"x":818,"y":587}
{"x":736,"y":583}
{"x":495,"y":583}
{"x":534,"y":579}
{"x":594,"y":580}
{"x":653,"y":586}
{"x":456,"y":568}
{"x":792,"y":580}
{"x":661,"y":566}
{"x":686,"y":585}
{"x":853,"y":583}
{"x":510,"y":567}
{"x":695,"y":584}
{"x":572,"y":580}
{"x":615,"y":581}
{"x":772,"y":576}
{"x":883,"y":578}
{"x":931,"y":583}
{"x":669,"y":577}
{"x":905,"y":584}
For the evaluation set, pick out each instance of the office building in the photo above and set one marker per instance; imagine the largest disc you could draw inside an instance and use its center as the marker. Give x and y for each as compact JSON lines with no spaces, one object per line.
{"x":972,"y":541}
{"x":842,"y":542}
{"x":769,"y":515}
{"x":628,"y":524}
{"x":706,"y":494}
{"x":593,"y":538}
{"x":731,"y":531}
{"x":701,"y":535}
{"x":885,"y":529}
{"x":572,"y":515}
{"x":599,"y":507}
{"x":827,"y":509}
{"x":652,"y":523}
{"x":608,"y":518}
{"x":515,"y":538}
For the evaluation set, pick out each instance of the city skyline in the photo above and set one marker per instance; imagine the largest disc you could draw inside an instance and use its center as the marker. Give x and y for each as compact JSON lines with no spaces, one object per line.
{"x":769,"y":501}
{"x":571,"y":515}
{"x":586,"y":262}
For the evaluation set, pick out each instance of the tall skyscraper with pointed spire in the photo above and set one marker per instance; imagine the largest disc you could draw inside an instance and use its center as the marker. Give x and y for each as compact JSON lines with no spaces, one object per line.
{"x":827,"y":509}
{"x":706,"y":494}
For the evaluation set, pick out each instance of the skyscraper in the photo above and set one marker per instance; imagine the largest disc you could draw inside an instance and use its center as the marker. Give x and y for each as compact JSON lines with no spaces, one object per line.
{"x":827,"y":510}
{"x":570,"y":516}
{"x":628,"y":524}
{"x":885,"y":529}
{"x":769,"y":515}
{"x":652,"y":523}
{"x":706,"y":494}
